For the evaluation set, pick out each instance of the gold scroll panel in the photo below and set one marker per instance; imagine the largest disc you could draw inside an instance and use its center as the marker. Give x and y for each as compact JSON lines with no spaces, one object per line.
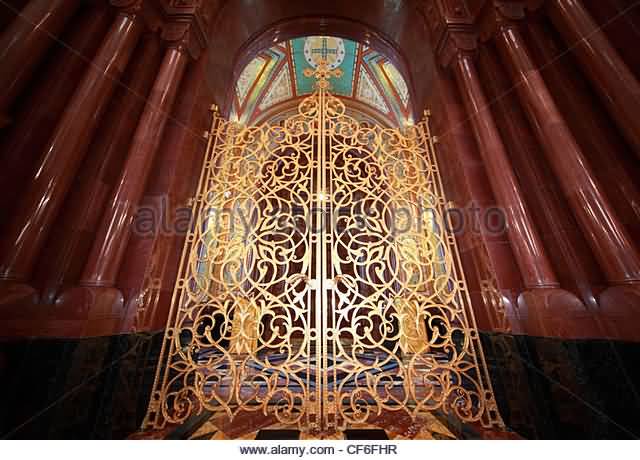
{"x":318,"y":285}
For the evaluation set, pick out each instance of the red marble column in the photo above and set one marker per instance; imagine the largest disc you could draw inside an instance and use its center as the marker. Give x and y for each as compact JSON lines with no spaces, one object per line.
{"x":527,"y":247}
{"x":24,"y":42}
{"x":493,"y":277}
{"x":605,"y":150}
{"x":115,"y":228}
{"x":64,"y":151}
{"x":147,"y":278}
{"x":612,"y":79}
{"x":67,"y":249}
{"x":37,"y":117}
{"x":96,"y":299}
{"x":568,"y":251}
{"x":607,"y":237}
{"x":543,"y":298}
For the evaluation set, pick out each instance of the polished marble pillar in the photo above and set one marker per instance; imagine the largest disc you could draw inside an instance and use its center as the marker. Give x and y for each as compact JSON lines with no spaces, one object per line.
{"x":543,"y":303}
{"x":37,"y":117}
{"x":596,"y":134}
{"x":574,"y":264}
{"x":25,"y":41}
{"x":96,"y":298}
{"x":493,"y":277}
{"x":609,"y":240}
{"x":62,"y":155}
{"x":67,"y":249}
{"x":149,"y":272}
{"x":115,"y":228}
{"x":613,"y":80}
{"x":527,"y":246}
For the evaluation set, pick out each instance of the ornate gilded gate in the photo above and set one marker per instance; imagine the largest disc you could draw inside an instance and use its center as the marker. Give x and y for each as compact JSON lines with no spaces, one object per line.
{"x":319,"y":284}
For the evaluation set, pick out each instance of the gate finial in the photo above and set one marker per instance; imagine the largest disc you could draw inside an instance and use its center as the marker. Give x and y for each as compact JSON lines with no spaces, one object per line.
{"x":322,"y":73}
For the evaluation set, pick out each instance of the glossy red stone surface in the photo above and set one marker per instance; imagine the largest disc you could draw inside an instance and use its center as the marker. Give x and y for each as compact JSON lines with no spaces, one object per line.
{"x":68,"y":247}
{"x":36,"y":117}
{"x":608,"y":238}
{"x":24,"y":42}
{"x":618,"y":87}
{"x":115,"y":227}
{"x":548,"y":151}
{"x":523,"y":235}
{"x":63,"y":153}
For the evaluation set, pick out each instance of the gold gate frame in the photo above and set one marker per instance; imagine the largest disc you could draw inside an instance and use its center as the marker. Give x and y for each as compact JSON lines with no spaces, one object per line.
{"x":320,"y":328}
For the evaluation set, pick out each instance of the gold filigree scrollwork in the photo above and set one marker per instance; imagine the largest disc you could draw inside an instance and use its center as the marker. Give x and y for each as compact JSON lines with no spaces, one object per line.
{"x":319,"y":283}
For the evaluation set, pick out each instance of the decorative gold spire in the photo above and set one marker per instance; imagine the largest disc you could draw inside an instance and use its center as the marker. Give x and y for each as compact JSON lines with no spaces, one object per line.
{"x":322,"y":73}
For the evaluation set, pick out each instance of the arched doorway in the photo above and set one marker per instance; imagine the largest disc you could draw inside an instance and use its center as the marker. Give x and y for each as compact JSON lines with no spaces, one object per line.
{"x":320,"y":284}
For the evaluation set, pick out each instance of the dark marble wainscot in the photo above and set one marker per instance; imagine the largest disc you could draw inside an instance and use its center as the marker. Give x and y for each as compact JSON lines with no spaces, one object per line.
{"x":89,"y":388}
{"x":550,"y":388}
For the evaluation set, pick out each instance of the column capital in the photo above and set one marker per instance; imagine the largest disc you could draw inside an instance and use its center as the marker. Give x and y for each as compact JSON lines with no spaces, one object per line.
{"x":499,"y":14}
{"x":186,"y":24}
{"x":145,"y":9}
{"x":451,"y":25}
{"x":456,"y":43}
{"x":128,"y":6}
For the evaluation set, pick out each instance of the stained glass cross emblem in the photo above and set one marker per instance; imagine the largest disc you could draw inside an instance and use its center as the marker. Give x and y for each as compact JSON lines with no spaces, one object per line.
{"x":324,"y":50}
